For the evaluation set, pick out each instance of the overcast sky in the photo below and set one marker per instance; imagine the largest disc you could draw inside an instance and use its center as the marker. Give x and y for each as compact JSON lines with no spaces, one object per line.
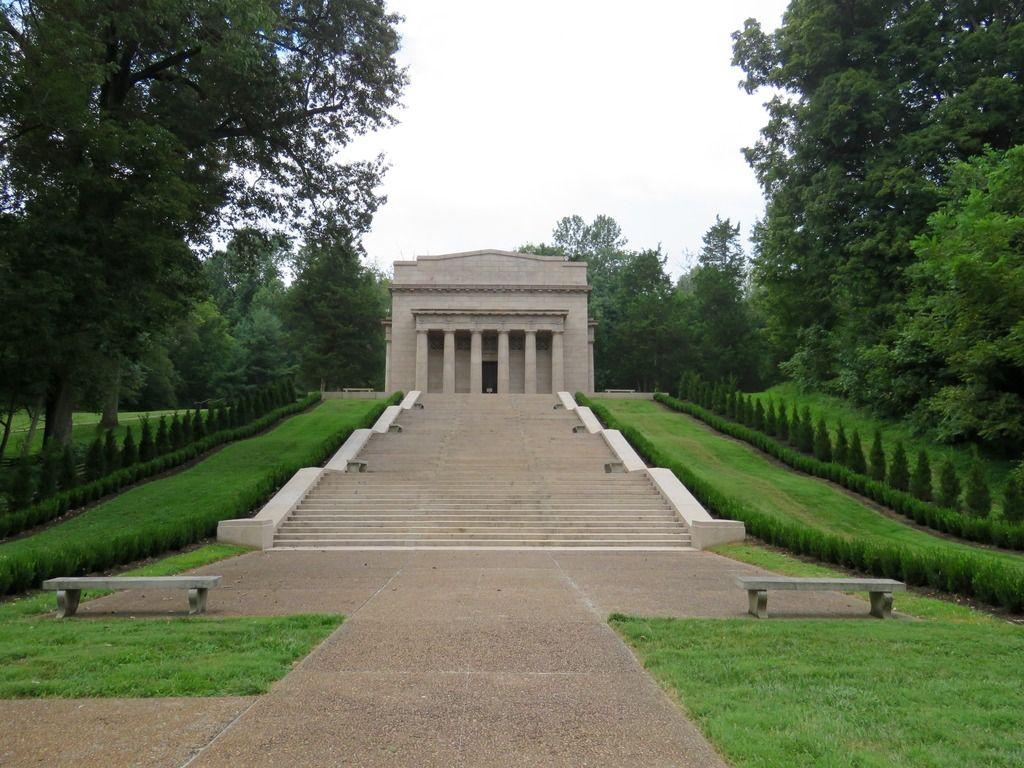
{"x":517,"y":114}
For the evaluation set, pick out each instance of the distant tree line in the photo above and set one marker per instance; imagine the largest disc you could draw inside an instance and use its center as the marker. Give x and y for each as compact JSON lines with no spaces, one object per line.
{"x":651,"y":330}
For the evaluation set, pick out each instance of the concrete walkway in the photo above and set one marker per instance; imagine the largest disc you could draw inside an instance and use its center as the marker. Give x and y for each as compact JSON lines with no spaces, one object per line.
{"x":448,"y":658}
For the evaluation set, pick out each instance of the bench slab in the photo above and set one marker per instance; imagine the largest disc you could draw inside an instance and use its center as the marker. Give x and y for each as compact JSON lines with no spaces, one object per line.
{"x":69,"y":588}
{"x":132,"y":582}
{"x":880,"y":590}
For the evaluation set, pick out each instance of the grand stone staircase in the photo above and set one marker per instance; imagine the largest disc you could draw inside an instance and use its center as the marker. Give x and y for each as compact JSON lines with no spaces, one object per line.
{"x":484,"y":471}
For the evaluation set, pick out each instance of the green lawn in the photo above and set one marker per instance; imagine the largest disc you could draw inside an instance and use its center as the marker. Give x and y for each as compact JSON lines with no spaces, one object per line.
{"x":944,"y":691}
{"x":770,"y":487}
{"x":45,"y":657}
{"x":835,"y":409}
{"x":170,"y":512}
{"x":832,"y":693}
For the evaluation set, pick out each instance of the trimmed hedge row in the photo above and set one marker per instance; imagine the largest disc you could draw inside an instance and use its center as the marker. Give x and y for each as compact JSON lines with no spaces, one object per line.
{"x":942,"y":519}
{"x":80,"y":495}
{"x":24,"y":564}
{"x":978,"y":575}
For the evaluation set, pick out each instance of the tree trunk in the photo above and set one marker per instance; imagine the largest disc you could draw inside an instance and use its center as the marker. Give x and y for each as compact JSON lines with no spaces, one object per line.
{"x":59,"y":406}
{"x":26,"y":444}
{"x":7,"y":425}
{"x":108,"y":419}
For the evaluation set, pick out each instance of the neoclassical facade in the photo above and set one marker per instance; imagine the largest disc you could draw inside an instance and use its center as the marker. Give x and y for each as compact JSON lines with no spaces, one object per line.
{"x":489,"y":322}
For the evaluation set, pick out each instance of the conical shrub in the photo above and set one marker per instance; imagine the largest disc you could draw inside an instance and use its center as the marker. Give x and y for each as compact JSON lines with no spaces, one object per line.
{"x":855,"y":454}
{"x":899,"y":470}
{"x":949,"y":485}
{"x":878,"y":469}
{"x":842,"y":445}
{"x":68,"y":468}
{"x":822,"y":441}
{"x":977,"y":497}
{"x":921,"y":477}
{"x":805,"y":440}
{"x":1013,"y":495}
{"x":111,"y":454}
{"x":95,"y":464}
{"x":129,"y":452}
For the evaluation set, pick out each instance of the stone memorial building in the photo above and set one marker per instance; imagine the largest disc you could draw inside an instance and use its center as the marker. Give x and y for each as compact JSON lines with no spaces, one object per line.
{"x":489,"y":322}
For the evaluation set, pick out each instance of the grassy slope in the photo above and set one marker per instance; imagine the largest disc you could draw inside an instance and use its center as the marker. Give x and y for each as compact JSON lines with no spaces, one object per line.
{"x":844,"y":693}
{"x":834,"y":409}
{"x":207,"y":491}
{"x":45,"y":657}
{"x":772,"y":488}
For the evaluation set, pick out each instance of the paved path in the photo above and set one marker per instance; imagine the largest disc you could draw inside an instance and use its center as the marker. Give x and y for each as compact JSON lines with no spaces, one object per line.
{"x":453,"y":659}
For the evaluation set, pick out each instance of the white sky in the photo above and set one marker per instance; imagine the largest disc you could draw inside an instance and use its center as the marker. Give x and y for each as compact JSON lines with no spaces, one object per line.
{"x":519,"y":113}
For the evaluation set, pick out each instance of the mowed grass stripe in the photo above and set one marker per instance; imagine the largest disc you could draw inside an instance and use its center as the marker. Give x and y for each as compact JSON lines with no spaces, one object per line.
{"x":773,"y":488}
{"x":172,"y":512}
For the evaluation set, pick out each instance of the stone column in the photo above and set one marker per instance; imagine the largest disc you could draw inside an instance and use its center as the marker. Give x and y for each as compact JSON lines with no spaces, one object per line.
{"x":387,"y":365}
{"x":476,"y":357}
{"x":590,"y":367}
{"x":503,"y":380}
{"x":422,"y":350}
{"x":449,"y":362}
{"x":557,"y":363}
{"x":531,"y":363}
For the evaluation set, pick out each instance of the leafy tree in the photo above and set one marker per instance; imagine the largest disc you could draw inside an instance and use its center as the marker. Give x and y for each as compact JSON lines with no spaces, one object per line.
{"x":878,"y":470}
{"x":129,"y":451}
{"x":855,"y":454}
{"x":977,"y":497}
{"x":128,"y":129}
{"x":949,"y":485}
{"x":899,"y":469}
{"x":842,"y":445}
{"x":957,"y":352}
{"x":869,"y":102}
{"x":822,"y":441}
{"x":921,"y":478}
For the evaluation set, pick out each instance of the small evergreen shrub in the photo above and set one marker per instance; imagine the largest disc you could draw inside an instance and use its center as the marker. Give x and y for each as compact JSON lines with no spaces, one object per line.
{"x":129,"y":453}
{"x":770,"y":418}
{"x":1013,"y":495}
{"x":855,"y":454}
{"x":877,"y":458}
{"x":899,"y":471}
{"x":822,"y":442}
{"x":111,"y":458}
{"x":977,"y":497}
{"x":949,"y":485}
{"x":95,"y":465}
{"x":68,"y":468}
{"x":782,"y":423}
{"x":24,"y":483}
{"x":842,"y":445}
{"x":147,"y":445}
{"x":162,"y":441}
{"x":758,"y":420}
{"x":177,"y":436}
{"x":49,"y":471}
{"x":805,"y":439}
{"x":921,"y":477}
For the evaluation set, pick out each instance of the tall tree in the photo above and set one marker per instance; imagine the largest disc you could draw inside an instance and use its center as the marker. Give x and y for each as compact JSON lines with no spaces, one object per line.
{"x":870,"y":102}
{"x":128,"y":129}
{"x":334,"y":312}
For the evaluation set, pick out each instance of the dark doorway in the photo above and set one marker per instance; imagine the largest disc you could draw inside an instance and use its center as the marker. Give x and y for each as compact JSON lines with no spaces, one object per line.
{"x":489,"y":381}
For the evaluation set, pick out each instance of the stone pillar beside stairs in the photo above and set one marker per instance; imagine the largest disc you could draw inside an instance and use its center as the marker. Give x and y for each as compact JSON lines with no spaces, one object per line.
{"x":503,"y":377}
{"x":476,"y":383}
{"x":531,"y":363}
{"x":449,"y":363}
{"x":557,"y":362}
{"x":422,"y":350}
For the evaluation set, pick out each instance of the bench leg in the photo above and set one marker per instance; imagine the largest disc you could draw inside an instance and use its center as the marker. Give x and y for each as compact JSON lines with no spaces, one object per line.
{"x":67,"y":602}
{"x":758,"y":603}
{"x":197,"y":601}
{"x":881,"y":605}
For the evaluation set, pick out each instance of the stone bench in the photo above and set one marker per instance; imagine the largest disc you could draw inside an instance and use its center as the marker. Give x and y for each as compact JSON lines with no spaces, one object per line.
{"x":620,"y":391}
{"x":357,"y":389}
{"x":69,"y":589}
{"x":880,"y":590}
